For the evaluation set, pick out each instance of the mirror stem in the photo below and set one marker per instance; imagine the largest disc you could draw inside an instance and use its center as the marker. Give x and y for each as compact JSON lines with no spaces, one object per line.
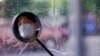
{"x":44,"y":47}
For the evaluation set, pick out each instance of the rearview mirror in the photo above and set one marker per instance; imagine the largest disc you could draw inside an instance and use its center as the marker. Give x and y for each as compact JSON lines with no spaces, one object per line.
{"x":26,"y":26}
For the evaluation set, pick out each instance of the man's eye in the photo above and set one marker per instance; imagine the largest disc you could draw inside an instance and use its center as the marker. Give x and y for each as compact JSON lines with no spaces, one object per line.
{"x":19,"y":24}
{"x":27,"y":21}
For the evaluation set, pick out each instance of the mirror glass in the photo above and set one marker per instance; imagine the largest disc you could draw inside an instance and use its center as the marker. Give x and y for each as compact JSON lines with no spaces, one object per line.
{"x":28,"y":26}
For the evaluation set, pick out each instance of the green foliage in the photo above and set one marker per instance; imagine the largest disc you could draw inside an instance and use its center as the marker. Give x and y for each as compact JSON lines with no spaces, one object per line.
{"x":89,"y":5}
{"x":16,"y":6}
{"x":92,"y":5}
{"x":98,"y":6}
{"x":63,"y":8}
{"x":41,"y":8}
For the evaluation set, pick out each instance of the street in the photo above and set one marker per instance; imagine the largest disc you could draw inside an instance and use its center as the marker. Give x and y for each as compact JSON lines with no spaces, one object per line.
{"x":92,"y":44}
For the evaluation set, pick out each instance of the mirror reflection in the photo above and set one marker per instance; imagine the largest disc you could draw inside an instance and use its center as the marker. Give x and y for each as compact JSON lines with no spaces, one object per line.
{"x":27,"y":28}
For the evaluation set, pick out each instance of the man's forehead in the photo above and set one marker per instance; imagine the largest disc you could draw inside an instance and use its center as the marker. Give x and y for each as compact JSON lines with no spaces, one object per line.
{"x":23,"y":18}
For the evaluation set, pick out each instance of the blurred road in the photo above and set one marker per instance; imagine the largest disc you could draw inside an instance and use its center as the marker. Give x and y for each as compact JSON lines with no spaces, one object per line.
{"x":92,"y":45}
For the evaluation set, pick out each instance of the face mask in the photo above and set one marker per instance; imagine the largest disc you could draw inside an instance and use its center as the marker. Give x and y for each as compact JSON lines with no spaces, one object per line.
{"x":26,"y":30}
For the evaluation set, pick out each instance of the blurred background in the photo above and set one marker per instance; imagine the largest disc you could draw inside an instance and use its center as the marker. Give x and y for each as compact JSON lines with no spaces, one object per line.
{"x":70,"y":27}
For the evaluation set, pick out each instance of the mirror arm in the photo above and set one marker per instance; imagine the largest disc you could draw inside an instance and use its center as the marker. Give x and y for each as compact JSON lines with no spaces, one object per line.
{"x":44,"y":47}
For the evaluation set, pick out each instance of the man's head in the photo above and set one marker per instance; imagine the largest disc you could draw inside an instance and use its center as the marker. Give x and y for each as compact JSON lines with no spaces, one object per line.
{"x":24,"y":20}
{"x":26,"y":27}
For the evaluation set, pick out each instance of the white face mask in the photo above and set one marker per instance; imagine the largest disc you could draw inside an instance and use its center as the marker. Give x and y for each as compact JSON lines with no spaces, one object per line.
{"x":26,"y":30}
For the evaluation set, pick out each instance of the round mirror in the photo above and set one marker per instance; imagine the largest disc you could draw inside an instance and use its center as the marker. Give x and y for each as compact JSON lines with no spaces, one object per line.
{"x":26,"y":26}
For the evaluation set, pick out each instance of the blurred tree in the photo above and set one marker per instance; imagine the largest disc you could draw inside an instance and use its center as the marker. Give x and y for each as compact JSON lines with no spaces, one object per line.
{"x":98,"y":15}
{"x":60,"y":5}
{"x":15,"y":6}
{"x":63,"y":8}
{"x":40,"y":7}
{"x":89,"y":5}
{"x":97,"y":6}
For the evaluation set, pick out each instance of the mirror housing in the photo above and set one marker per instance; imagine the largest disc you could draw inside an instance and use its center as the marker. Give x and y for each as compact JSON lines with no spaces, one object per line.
{"x":30,"y":16}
